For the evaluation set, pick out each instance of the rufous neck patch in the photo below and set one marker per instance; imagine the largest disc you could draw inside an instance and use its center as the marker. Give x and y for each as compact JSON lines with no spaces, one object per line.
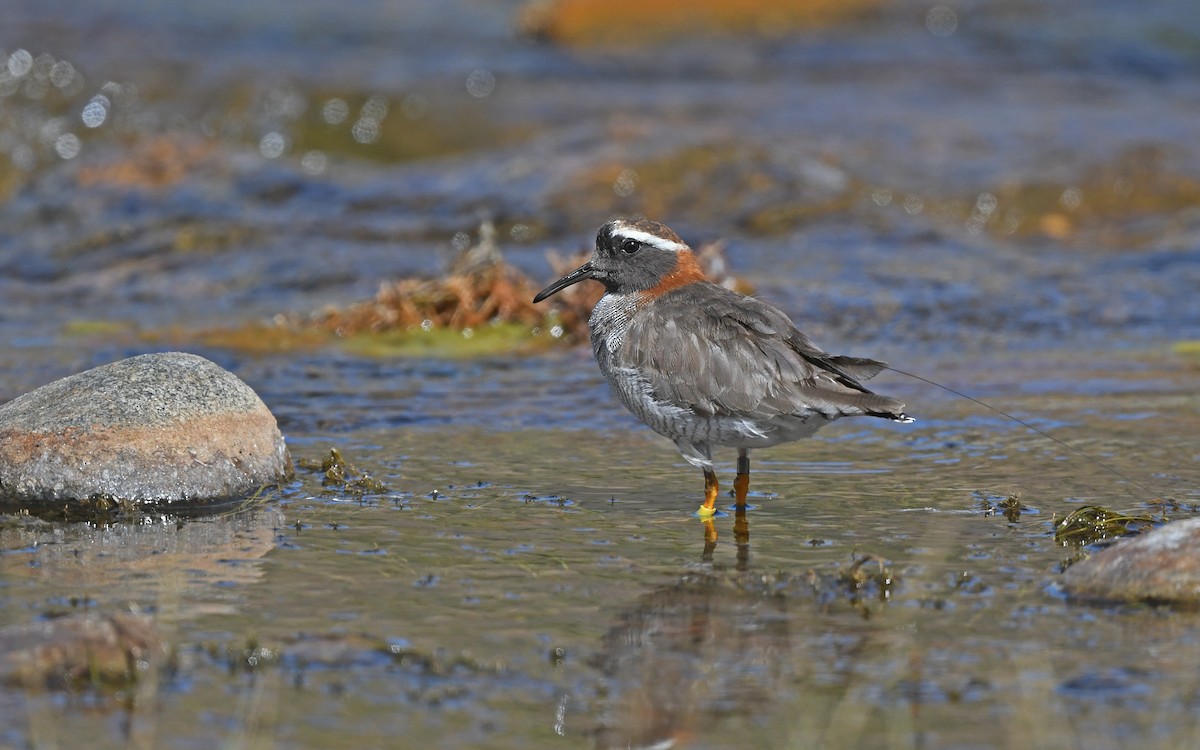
{"x":686,"y":271}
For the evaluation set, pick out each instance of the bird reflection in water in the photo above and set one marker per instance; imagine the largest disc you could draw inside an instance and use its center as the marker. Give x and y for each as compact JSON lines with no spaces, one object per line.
{"x":687,"y":654}
{"x":741,"y":538}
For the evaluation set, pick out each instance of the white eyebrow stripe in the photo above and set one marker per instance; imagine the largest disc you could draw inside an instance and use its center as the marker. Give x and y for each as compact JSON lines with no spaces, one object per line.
{"x":651,"y":239}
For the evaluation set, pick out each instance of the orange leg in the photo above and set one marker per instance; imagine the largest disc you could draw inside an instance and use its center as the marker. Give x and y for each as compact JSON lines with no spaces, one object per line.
{"x":741,"y":537}
{"x":710,"y":494}
{"x":710,"y":540}
{"x":741,"y":483}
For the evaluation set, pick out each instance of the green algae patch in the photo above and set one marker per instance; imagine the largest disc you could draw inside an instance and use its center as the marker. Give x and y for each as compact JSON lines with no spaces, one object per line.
{"x":1091,"y":523}
{"x":462,"y":343}
{"x":493,"y":338}
{"x":96,"y":327}
{"x":1187,"y":348}
{"x":395,"y":129}
{"x":482,"y":306}
{"x":340,"y":477}
{"x":255,"y":338}
{"x":867,"y":578}
{"x":1010,"y":507}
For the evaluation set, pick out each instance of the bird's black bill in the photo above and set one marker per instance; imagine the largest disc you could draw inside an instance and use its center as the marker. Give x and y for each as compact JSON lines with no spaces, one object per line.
{"x":582,"y":273}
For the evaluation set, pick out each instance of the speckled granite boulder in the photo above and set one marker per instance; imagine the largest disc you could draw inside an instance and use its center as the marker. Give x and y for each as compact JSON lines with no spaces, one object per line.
{"x":1160,"y":566}
{"x":159,"y":428}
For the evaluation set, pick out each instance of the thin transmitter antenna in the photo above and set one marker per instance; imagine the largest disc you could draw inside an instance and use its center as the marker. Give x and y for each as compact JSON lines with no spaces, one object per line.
{"x":1027,"y":426}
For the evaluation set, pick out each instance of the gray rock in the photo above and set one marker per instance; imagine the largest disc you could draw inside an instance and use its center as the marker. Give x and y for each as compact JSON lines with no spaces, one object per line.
{"x":158,"y":428}
{"x":1160,"y":566}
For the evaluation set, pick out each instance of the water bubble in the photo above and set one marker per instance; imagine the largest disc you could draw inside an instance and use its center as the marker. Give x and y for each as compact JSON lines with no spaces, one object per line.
{"x":210,"y":125}
{"x":986,"y":203}
{"x":42,"y":65}
{"x":95,"y":112}
{"x":122,"y":95}
{"x":62,"y":74}
{"x":285,"y":103}
{"x":461,"y":241}
{"x":272,"y":145}
{"x":8,"y":82}
{"x":365,"y":130}
{"x":375,"y":108}
{"x":467,"y":333}
{"x":35,"y":88}
{"x":913,"y":204}
{"x":625,"y":183}
{"x":881,"y":196}
{"x":68,"y":146}
{"x":73,"y":87}
{"x":556,"y":331}
{"x":335,"y":111}
{"x":480,"y":83}
{"x":23,"y":158}
{"x":145,"y":122}
{"x":824,"y":176}
{"x":941,"y":20}
{"x":414,"y":106}
{"x":20,"y":63}
{"x":520,"y":232}
{"x":51,"y":129}
{"x":427,"y":325}
{"x":1071,"y":198}
{"x":314,"y":162}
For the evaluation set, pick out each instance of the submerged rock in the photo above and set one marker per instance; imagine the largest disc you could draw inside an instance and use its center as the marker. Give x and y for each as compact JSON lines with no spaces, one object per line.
{"x":77,"y":650}
{"x":162,"y":428}
{"x":1160,"y":566}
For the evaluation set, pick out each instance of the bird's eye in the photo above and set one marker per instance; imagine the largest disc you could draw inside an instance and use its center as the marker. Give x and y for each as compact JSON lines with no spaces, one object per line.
{"x":630,"y":246}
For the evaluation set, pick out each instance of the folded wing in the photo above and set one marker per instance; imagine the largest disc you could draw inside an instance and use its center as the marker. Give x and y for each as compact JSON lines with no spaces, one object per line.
{"x":732,"y":355}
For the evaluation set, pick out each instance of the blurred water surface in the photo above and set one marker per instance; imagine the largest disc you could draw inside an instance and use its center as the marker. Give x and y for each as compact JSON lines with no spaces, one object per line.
{"x":1030,"y":174}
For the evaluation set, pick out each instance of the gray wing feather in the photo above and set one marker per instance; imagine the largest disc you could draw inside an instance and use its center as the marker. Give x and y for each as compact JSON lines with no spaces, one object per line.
{"x":732,"y":355}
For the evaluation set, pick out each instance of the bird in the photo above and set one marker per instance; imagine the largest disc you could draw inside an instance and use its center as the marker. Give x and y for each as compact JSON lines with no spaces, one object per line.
{"x":705,"y":366}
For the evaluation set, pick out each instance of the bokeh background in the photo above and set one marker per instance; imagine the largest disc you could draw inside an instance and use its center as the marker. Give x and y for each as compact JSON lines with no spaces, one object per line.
{"x":1007,"y":172}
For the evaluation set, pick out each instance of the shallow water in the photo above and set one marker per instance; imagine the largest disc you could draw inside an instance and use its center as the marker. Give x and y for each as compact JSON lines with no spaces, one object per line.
{"x":995,"y":209}
{"x":546,"y":584}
